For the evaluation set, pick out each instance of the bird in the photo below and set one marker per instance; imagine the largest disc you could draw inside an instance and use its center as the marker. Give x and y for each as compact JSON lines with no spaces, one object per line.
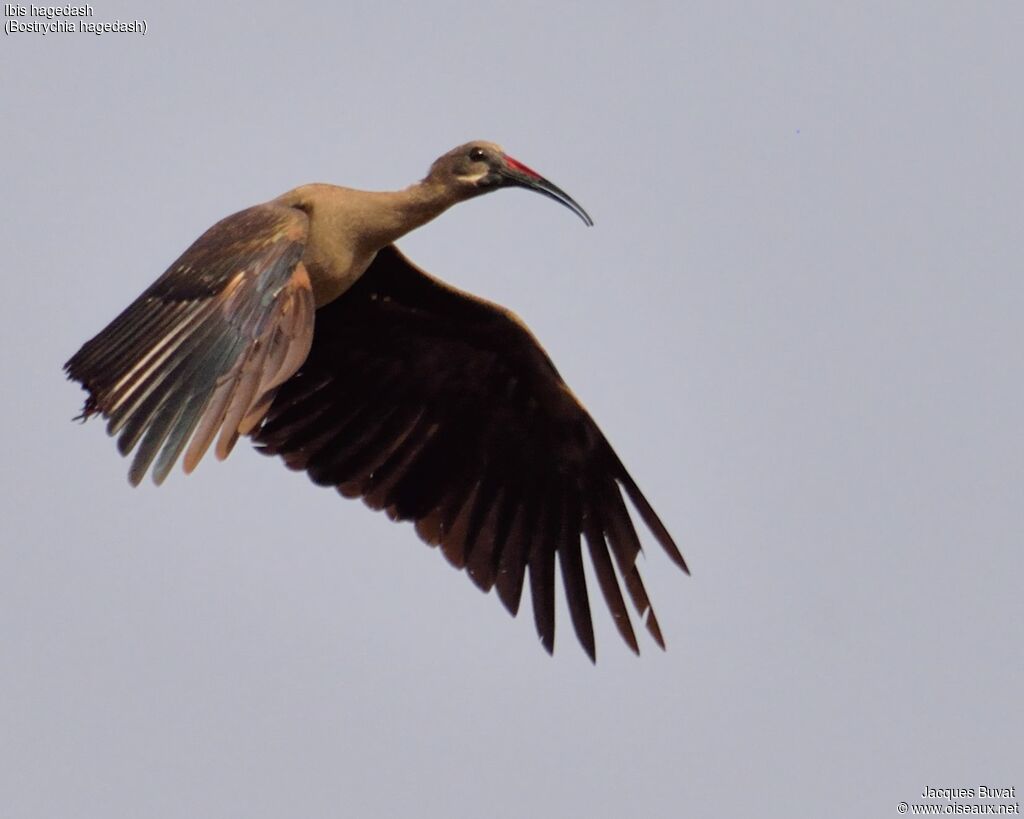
{"x":300,"y":324}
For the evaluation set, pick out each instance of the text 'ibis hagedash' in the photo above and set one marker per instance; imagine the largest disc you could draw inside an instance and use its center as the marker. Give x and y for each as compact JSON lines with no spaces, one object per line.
{"x":299,"y":323}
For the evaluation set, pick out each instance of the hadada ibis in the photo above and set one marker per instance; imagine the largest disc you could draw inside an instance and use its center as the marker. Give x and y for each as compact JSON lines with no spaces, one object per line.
{"x":300,"y":324}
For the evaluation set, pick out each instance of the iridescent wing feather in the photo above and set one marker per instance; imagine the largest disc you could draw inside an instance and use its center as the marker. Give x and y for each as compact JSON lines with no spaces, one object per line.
{"x":203,"y":349}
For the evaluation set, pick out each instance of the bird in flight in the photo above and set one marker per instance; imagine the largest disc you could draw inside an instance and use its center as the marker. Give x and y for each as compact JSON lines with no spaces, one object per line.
{"x":300,"y":324}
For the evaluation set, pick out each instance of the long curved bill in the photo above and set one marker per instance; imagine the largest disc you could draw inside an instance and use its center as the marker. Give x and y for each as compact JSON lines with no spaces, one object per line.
{"x":523,"y":176}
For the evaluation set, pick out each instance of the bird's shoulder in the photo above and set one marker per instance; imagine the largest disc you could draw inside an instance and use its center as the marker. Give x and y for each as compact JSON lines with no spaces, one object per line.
{"x":259,"y":237}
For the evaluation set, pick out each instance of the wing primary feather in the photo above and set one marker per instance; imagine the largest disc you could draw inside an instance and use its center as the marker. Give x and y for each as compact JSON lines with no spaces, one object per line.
{"x":178,"y":437}
{"x":212,"y":417}
{"x":328,"y":438}
{"x":486,"y":564}
{"x":437,"y":472}
{"x":648,"y":515}
{"x":306,"y":428}
{"x":542,"y":570}
{"x":203,"y":393}
{"x":152,"y":441}
{"x":394,"y":447}
{"x":108,"y":350}
{"x":626,"y":547}
{"x":177,"y":365}
{"x":243,"y":395}
{"x":294,"y":427}
{"x":132,"y":419}
{"x":126,"y":397}
{"x":509,"y":580}
{"x":571,"y":561}
{"x":482,"y":505}
{"x":593,"y":533}
{"x":396,"y":457}
{"x":146,"y":371}
{"x":483,"y":560}
{"x":305,"y":404}
{"x":346,"y":454}
{"x":453,"y":544}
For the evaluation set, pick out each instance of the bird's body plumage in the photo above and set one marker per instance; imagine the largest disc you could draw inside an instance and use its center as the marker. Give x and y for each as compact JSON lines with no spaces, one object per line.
{"x":299,"y":323}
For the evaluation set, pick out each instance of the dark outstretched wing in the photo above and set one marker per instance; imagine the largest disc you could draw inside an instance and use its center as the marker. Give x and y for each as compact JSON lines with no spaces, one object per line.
{"x":203,"y":349}
{"x":443,"y":409}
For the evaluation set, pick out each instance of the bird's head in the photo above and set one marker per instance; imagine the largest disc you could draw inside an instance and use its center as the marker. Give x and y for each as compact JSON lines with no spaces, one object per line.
{"x":481,"y":167}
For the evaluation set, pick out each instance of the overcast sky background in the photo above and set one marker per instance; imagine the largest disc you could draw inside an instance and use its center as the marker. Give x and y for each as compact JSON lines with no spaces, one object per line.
{"x":798,"y":319}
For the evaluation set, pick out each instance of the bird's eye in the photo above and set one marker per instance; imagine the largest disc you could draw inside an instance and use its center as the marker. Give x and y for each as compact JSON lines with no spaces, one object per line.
{"x":477,"y":155}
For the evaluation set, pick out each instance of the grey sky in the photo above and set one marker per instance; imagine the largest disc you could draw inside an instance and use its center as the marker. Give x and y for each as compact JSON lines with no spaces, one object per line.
{"x":798,"y":319}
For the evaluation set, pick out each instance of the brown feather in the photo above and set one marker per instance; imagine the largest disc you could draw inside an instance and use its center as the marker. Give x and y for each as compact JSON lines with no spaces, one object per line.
{"x":443,"y":409}
{"x":203,"y":347}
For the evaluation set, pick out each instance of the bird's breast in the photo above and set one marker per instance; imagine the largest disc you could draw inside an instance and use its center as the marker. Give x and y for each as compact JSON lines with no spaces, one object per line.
{"x":332,"y":273}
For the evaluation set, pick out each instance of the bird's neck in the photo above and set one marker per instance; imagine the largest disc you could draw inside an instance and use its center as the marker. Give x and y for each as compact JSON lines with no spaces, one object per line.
{"x":395,"y":213}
